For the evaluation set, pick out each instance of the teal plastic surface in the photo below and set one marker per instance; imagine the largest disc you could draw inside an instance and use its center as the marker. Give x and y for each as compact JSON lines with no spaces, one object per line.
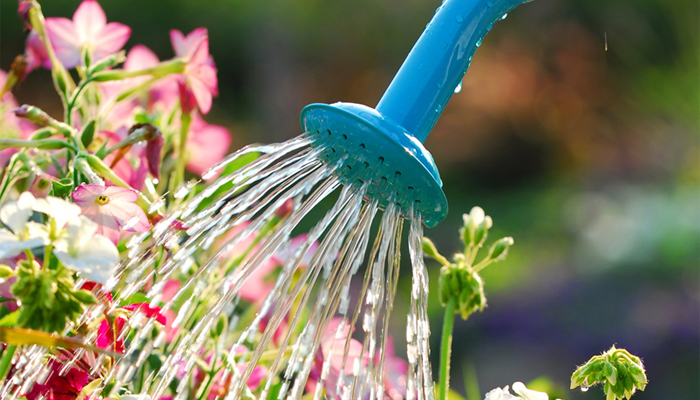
{"x":384,"y":145}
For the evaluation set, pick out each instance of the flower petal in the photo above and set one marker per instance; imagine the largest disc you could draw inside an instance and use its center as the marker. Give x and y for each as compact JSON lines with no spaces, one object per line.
{"x":15,"y":214}
{"x":85,"y":195}
{"x":185,"y":46}
{"x":116,"y":193}
{"x":527,"y":394}
{"x":110,"y":39}
{"x":202,"y":93}
{"x":64,"y":40}
{"x":129,"y":216}
{"x":89,"y":19}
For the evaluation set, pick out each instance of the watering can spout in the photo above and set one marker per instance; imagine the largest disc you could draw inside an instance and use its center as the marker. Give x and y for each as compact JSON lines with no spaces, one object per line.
{"x":382,"y":148}
{"x":438,"y":61}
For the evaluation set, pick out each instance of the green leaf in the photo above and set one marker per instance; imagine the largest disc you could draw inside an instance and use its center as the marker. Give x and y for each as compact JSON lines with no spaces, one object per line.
{"x":61,"y":188}
{"x":88,"y":133}
{"x":102,"y":151}
{"x":452,"y":395}
{"x":10,"y":319}
{"x":135,"y":298}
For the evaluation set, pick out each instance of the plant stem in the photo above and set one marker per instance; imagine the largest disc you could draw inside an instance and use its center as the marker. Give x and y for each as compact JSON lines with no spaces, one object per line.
{"x":446,"y":348}
{"x":185,"y":120}
{"x":6,"y":361}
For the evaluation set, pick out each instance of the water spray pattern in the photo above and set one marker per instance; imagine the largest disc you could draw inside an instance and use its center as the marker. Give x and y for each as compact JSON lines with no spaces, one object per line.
{"x":290,"y":170}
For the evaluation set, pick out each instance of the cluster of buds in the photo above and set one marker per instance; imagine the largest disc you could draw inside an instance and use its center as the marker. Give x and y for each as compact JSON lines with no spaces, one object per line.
{"x":460,"y":279}
{"x":621,"y":372}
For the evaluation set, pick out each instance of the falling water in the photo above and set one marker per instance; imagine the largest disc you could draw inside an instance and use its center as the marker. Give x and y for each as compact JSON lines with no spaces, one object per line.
{"x":290,"y":171}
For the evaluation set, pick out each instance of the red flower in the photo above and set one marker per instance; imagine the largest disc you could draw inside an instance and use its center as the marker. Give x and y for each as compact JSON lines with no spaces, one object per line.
{"x":60,"y":387}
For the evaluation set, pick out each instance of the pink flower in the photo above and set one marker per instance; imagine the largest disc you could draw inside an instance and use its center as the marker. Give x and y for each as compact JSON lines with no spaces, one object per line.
{"x":35,"y":53}
{"x":10,"y":125}
{"x":109,"y":335}
{"x":200,"y":71}
{"x":89,"y":28}
{"x":332,"y":349}
{"x":60,"y":387}
{"x":111,"y":208}
{"x":206,"y":145}
{"x":220,"y":387}
{"x":395,"y":370}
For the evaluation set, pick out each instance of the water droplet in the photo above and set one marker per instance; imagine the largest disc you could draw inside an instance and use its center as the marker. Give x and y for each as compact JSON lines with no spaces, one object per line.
{"x":439,"y":85}
{"x":489,"y":3}
{"x":584,"y":388}
{"x":489,"y":27}
{"x":478,"y":43}
{"x":460,"y":19}
{"x":438,"y":109}
{"x":459,"y":87}
{"x":183,"y":189}
{"x":504,"y":16}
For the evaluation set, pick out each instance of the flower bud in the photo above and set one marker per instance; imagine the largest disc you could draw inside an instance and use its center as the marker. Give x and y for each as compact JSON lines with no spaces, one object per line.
{"x":23,"y":10}
{"x":464,"y":285}
{"x":430,"y":250}
{"x":621,"y":373}
{"x":499,"y":250}
{"x":84,"y":296}
{"x":41,"y":187}
{"x":107,"y":62}
{"x":6,"y":271}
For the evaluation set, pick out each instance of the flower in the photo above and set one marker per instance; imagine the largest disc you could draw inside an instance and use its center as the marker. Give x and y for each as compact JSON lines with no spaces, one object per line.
{"x":207,"y":144}
{"x":332,"y":350}
{"x":111,"y":208}
{"x":23,"y":234}
{"x":395,"y":370}
{"x":110,"y":335}
{"x":519,"y":388}
{"x":60,"y":387}
{"x":200,"y":71}
{"x":85,"y":251}
{"x":88,"y":29}
{"x":35,"y":53}
{"x":10,"y":125}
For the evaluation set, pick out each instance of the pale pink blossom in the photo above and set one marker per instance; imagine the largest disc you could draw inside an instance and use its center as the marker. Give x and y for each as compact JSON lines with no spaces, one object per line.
{"x":88,"y":29}
{"x":332,"y":350}
{"x":200,"y":71}
{"x":112,"y":208}
{"x":207,"y":144}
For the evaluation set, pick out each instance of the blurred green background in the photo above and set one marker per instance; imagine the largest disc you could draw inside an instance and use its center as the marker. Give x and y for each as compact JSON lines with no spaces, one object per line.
{"x":589,"y":157}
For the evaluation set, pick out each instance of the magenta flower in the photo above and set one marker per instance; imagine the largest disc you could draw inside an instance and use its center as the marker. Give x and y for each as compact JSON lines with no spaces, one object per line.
{"x":206,"y":145}
{"x":89,"y":28}
{"x":200,"y":71}
{"x":111,"y":208}
{"x":60,"y":387}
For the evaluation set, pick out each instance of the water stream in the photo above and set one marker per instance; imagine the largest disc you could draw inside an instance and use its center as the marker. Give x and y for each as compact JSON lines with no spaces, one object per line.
{"x":318,"y":275}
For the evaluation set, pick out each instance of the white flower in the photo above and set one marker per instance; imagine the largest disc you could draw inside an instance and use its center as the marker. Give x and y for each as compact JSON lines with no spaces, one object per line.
{"x":135,"y":397}
{"x":23,"y":235}
{"x":520,"y":389}
{"x":59,"y":210}
{"x":79,"y":248}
